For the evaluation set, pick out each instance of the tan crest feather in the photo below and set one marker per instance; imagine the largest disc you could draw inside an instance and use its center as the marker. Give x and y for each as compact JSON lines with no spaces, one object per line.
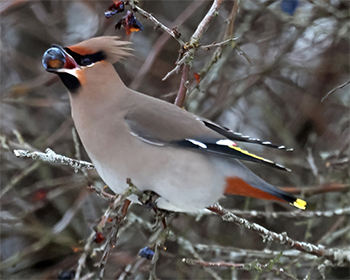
{"x":110,"y":45}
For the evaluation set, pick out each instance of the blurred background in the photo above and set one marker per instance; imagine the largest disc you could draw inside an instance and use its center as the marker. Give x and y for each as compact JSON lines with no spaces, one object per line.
{"x":269,"y":85}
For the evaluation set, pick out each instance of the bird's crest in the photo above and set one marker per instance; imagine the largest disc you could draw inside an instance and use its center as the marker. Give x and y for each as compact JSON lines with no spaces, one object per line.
{"x":110,"y":46}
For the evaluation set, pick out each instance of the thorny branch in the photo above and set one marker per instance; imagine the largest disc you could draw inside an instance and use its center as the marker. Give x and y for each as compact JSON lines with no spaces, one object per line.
{"x":334,"y":255}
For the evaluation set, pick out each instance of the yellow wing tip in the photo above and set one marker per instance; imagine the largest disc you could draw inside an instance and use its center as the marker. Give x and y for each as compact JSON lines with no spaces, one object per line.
{"x":299,"y":203}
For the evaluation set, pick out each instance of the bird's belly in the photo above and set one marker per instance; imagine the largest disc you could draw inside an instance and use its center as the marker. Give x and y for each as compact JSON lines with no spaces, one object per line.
{"x":186,"y":180}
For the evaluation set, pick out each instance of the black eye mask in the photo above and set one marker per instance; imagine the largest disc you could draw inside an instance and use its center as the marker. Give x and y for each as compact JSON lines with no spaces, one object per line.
{"x":86,"y":60}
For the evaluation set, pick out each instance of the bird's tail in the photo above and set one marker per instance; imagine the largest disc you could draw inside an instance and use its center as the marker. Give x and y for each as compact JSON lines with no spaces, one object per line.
{"x":262,"y":190}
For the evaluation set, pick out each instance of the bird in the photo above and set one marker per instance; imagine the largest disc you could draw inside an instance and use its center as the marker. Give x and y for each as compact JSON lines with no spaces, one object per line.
{"x":190,"y":162}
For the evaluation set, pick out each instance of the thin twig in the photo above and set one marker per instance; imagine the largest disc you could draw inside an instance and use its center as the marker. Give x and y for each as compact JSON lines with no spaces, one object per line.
{"x":156,"y":22}
{"x":109,"y":245}
{"x":103,"y":194}
{"x":181,"y":95}
{"x":339,"y":222}
{"x":242,"y":53}
{"x":157,"y":241}
{"x":231,"y":19}
{"x":240,"y":254}
{"x":311,"y":161}
{"x":312,"y":190}
{"x":15,"y":180}
{"x":335,"y":89}
{"x":188,"y":246}
{"x":84,"y":255}
{"x":170,"y":73}
{"x":70,"y":213}
{"x":178,"y":65}
{"x":221,"y":44}
{"x":8,"y":144}
{"x":240,"y":266}
{"x":58,"y":134}
{"x":132,"y":268}
{"x":111,"y":240}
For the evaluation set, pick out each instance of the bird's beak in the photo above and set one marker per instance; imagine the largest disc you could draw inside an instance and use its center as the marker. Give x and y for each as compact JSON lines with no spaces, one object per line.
{"x":56,"y":59}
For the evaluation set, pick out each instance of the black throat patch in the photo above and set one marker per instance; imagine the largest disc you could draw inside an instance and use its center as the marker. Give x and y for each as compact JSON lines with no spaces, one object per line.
{"x":71,"y":82}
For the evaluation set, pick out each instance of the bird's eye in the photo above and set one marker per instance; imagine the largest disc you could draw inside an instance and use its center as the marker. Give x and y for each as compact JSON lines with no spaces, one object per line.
{"x":86,"y":61}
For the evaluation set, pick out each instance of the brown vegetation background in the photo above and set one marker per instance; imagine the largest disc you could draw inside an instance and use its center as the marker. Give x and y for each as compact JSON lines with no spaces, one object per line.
{"x":268,"y":84}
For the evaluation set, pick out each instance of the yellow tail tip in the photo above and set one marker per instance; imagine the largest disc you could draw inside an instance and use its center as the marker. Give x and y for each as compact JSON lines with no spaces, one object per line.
{"x":299,"y":203}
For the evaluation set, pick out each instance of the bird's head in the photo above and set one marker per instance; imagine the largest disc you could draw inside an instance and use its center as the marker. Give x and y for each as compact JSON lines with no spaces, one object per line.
{"x":74,"y":63}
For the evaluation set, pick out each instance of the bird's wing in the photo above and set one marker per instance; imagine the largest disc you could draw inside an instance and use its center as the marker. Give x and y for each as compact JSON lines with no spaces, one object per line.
{"x":236,"y":136}
{"x":170,"y":125}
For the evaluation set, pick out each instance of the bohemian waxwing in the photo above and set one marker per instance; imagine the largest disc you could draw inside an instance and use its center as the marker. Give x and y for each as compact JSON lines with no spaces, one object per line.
{"x":190,"y":162}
